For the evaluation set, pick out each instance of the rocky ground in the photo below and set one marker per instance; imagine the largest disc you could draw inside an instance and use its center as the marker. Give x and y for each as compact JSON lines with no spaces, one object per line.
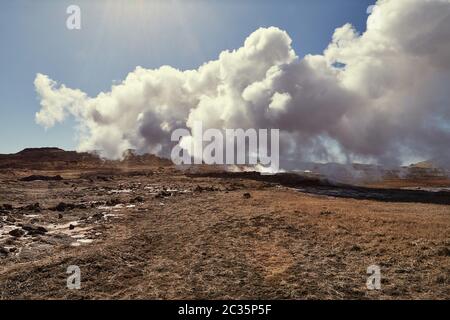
{"x":151,"y":231}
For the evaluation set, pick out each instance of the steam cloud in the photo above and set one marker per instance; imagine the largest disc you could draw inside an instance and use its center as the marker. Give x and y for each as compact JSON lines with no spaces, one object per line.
{"x":380,"y":97}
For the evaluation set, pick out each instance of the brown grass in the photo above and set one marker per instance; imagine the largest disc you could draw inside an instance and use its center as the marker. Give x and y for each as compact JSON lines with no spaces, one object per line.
{"x":279,"y":244}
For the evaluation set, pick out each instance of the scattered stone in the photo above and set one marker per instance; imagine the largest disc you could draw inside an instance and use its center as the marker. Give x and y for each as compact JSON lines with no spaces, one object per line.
{"x":103,"y":178}
{"x":71,"y":227}
{"x":34,"y":230}
{"x":42,"y":178}
{"x":3,"y":252}
{"x":163,"y":194}
{"x":7,"y":206}
{"x":201,"y":189}
{"x":355,"y":248}
{"x":326,"y":213}
{"x":445,"y":252}
{"x":113,"y":202}
{"x":33,"y":207}
{"x":60,"y":216}
{"x":97,"y":216}
{"x":137,"y":199}
{"x":17,"y":233}
{"x":10,"y":219}
{"x":10,"y":241}
{"x":61,"y":207}
{"x":247,"y":195}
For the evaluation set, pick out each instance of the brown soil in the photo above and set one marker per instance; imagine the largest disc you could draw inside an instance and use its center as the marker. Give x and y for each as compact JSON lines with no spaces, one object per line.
{"x":149,"y":231}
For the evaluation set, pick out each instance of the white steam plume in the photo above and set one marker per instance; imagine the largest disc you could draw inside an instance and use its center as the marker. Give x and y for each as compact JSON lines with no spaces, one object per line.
{"x":381,"y":97}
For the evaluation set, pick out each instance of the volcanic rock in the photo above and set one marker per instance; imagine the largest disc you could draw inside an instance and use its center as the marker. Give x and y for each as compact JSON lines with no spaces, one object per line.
{"x":42,"y":178}
{"x":17,"y":233}
{"x":61,"y":207}
{"x":34,"y":230}
{"x":3,"y":252}
{"x":137,"y":199}
{"x":31,"y":207}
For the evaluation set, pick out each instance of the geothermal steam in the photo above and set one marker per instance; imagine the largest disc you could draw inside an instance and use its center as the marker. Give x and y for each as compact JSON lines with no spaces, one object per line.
{"x":381,"y":97}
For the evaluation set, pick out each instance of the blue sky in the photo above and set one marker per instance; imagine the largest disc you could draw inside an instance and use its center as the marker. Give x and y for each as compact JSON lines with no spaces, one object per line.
{"x":116,"y":36}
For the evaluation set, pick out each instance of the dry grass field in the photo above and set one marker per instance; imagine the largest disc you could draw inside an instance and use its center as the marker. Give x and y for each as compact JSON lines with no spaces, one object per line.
{"x":149,"y":231}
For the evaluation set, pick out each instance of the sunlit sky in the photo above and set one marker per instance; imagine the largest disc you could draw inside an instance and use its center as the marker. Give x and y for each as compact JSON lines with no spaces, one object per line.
{"x":116,"y":36}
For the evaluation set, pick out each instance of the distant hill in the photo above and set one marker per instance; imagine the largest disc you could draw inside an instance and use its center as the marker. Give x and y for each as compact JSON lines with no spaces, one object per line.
{"x":429,"y":164}
{"x":56,"y":158}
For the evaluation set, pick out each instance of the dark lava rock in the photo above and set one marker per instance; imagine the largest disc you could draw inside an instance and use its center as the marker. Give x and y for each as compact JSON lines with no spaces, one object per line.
{"x":34,"y":230}
{"x":445,"y":252}
{"x":198,"y":189}
{"x":98,"y":216}
{"x":201,"y":189}
{"x":247,"y":195}
{"x":137,"y":199}
{"x":17,"y":233}
{"x":33,"y":207}
{"x":61,"y":207}
{"x":60,"y":216}
{"x":10,"y":241}
{"x":42,"y":178}
{"x":113,"y":202}
{"x":163,"y":194}
{"x":7,"y":206}
{"x":103,"y":178}
{"x":71,"y":227}
{"x":3,"y":252}
{"x":10,"y":219}
{"x":355,"y":248}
